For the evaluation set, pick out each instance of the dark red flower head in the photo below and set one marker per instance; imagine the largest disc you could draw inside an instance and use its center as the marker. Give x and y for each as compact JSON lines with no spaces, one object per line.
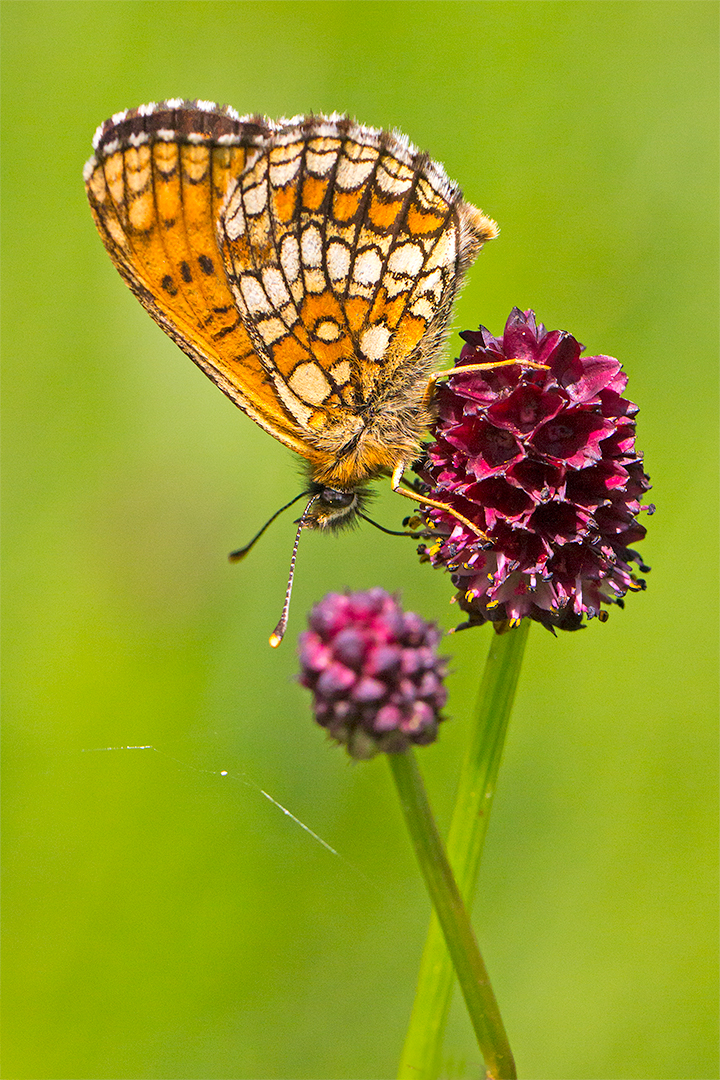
{"x":544,"y":463}
{"x":374,"y":672}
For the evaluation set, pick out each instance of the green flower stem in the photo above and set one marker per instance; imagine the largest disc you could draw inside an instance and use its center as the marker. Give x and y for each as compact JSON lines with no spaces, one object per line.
{"x":453,"y":918}
{"x":421,"y":1057}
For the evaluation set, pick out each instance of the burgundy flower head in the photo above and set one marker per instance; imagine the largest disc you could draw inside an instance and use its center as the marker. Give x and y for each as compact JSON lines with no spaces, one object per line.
{"x":544,"y":463}
{"x":374,"y":672}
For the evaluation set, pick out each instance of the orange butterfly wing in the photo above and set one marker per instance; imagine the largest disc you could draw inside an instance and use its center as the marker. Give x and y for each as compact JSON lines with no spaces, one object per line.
{"x":156,"y":186}
{"x":307,"y":266}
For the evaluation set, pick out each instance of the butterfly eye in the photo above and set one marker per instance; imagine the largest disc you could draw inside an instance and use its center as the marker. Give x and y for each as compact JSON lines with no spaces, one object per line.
{"x":338,"y":500}
{"x":333,"y":509}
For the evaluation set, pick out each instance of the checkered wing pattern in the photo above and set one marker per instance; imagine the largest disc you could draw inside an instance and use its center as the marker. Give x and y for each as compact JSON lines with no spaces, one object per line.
{"x":308,"y":266}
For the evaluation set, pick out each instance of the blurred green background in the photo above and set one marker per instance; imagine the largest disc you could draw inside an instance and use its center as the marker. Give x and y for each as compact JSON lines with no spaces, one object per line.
{"x":162,"y":920}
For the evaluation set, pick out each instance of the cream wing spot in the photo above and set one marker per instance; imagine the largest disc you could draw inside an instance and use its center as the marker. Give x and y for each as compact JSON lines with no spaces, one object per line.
{"x":137,"y":168}
{"x":271,"y":330}
{"x":195,"y":161}
{"x":311,"y":246}
{"x":341,"y":372}
{"x":328,"y":330}
{"x":275,"y":288}
{"x":395,"y":285}
{"x":117,"y":232}
{"x":291,"y":401}
{"x":431,"y":284}
{"x":235,"y":216}
{"x":320,"y":164}
{"x":283,"y":171}
{"x":286,"y":147}
{"x":114,"y":178}
{"x":290,"y":257}
{"x":406,"y":259}
{"x":392,"y":185}
{"x":423,"y":309}
{"x":374,"y":342}
{"x":165,"y":159}
{"x":368,"y":266}
{"x":309,"y":382}
{"x":254,"y":295}
{"x":351,"y":174}
{"x":338,"y":261}
{"x":255,"y":170}
{"x":259,"y":234}
{"x":444,"y":252}
{"x":256,"y":200}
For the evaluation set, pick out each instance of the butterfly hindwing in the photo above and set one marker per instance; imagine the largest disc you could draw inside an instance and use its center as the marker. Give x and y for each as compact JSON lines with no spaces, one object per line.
{"x":342,"y":257}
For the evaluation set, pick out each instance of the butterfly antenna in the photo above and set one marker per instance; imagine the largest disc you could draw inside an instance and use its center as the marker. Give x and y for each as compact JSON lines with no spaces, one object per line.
{"x":394,"y":532}
{"x":279,"y":632}
{"x":236,"y":556}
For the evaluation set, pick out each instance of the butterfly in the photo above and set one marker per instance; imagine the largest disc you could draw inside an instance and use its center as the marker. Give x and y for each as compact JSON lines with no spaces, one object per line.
{"x":308,"y":266}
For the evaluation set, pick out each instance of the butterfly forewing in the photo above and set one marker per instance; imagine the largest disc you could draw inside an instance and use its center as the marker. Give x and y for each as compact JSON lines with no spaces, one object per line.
{"x":156,"y":201}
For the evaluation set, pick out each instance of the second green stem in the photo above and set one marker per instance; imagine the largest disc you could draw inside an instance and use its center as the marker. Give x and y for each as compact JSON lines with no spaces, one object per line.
{"x":453,"y":918}
{"x":423,"y":1044}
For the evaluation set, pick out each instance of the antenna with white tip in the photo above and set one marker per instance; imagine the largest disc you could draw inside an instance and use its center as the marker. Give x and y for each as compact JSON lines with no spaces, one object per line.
{"x":279,"y":632}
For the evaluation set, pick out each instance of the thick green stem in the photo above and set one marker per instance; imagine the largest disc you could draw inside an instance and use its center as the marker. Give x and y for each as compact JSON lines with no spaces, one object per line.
{"x":453,"y":918}
{"x":421,"y":1057}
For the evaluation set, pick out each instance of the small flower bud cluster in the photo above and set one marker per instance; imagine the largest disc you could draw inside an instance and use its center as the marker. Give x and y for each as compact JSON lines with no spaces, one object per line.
{"x":374,"y":672}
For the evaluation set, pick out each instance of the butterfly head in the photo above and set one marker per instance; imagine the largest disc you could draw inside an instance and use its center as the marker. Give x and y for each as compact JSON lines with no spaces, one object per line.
{"x":333,"y":508}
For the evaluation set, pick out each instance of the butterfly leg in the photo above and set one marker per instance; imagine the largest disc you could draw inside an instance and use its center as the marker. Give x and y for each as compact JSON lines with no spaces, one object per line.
{"x":466,"y":369}
{"x":410,"y":494}
{"x":427,"y":401}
